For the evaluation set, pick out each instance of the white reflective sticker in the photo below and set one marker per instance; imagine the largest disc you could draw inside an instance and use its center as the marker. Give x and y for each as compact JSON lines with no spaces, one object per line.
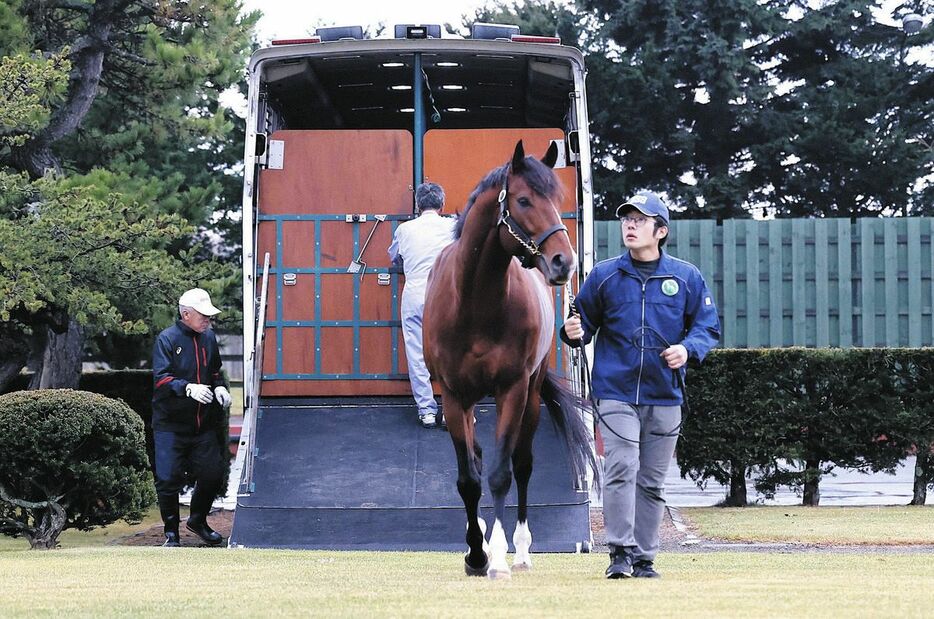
{"x":707,"y":301}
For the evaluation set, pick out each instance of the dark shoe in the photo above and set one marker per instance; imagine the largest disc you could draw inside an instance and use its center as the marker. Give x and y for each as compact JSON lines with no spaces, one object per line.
{"x":199,"y":526}
{"x":620,"y":564}
{"x":644,"y":569}
{"x":168,"y":509}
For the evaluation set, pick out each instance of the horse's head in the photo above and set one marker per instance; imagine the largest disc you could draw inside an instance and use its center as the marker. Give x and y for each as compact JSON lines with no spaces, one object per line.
{"x":530,"y":220}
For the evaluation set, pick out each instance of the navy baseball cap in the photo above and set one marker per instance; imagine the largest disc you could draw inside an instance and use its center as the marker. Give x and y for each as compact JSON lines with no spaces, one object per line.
{"x":647,"y":203}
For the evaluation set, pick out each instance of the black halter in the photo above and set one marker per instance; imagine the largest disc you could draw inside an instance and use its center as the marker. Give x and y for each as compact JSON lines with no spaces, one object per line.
{"x":530,"y":245}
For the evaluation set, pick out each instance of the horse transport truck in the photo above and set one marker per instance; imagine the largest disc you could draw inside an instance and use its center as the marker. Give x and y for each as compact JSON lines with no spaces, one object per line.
{"x":340,"y":131}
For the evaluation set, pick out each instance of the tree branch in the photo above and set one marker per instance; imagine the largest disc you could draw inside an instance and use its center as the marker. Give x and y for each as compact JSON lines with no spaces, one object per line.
{"x":71,"y":5}
{"x":4,"y":495}
{"x":87,"y":57}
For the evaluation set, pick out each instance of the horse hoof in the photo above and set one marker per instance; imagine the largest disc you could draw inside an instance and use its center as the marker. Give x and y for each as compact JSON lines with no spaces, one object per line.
{"x":475,"y":571}
{"x":499,"y":574}
{"x":522,"y":567}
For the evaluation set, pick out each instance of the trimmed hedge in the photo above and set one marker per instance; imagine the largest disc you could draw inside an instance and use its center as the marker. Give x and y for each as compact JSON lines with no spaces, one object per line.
{"x":69,"y":459}
{"x":788,"y":416}
{"x":134,"y":387}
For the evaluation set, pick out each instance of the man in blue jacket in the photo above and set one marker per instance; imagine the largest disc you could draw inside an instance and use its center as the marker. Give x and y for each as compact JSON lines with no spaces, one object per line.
{"x":186,"y":371}
{"x":650,"y":312}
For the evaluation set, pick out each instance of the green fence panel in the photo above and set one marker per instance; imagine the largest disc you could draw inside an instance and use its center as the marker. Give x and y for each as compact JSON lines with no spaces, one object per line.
{"x":810,"y":282}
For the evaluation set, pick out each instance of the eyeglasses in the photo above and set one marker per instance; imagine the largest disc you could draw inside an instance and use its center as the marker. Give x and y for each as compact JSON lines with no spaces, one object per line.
{"x":637,"y":221}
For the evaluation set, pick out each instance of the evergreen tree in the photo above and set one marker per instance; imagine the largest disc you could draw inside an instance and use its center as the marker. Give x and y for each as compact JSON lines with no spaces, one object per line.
{"x":137,"y":127}
{"x":773,"y":107}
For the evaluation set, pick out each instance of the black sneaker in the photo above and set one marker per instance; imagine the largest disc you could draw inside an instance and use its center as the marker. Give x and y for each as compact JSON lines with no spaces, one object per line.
{"x":644,"y":569}
{"x":620,"y":565}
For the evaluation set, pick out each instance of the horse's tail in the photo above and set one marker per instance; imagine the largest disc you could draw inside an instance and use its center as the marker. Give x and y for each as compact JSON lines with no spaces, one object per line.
{"x":566,"y":410}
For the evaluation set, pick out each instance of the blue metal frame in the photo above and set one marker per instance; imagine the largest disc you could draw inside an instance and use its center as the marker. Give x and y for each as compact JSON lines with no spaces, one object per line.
{"x":418,"y":86}
{"x":395,"y":324}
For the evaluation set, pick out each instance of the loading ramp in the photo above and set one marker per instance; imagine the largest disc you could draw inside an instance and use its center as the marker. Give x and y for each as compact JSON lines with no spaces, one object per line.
{"x":364,"y":475}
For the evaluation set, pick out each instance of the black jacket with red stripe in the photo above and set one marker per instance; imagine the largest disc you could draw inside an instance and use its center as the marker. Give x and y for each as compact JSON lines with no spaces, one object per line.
{"x":181,"y":356}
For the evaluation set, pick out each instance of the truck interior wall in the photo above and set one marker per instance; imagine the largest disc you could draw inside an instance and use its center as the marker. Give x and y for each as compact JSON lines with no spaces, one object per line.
{"x":334,"y":333}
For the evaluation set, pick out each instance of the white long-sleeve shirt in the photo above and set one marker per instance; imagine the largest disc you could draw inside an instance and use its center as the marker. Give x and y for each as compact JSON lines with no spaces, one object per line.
{"x":416,"y":244}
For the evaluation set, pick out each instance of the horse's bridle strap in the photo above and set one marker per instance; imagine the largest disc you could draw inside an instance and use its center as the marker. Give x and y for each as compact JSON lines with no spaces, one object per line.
{"x":515,"y":229}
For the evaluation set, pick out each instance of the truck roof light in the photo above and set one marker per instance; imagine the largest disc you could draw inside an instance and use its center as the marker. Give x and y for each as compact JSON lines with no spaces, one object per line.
{"x":296,"y":41}
{"x":524,"y":38}
{"x":337,"y":33}
{"x":493,"y":31}
{"x":418,"y":31}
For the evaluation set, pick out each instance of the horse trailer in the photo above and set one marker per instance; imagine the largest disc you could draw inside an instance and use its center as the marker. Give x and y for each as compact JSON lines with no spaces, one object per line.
{"x":340,"y":131}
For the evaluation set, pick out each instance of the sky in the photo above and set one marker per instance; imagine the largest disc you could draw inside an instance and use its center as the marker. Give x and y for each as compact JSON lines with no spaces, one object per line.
{"x":285,"y":19}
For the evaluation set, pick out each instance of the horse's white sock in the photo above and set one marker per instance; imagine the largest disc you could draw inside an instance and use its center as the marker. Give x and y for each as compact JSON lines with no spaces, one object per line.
{"x":498,"y":548}
{"x":522,"y":540}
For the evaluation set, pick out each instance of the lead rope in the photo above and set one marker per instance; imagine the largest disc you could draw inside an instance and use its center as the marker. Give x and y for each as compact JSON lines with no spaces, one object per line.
{"x":588,"y":381}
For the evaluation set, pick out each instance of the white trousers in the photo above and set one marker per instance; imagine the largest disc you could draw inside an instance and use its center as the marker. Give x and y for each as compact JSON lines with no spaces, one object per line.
{"x":413,"y":306}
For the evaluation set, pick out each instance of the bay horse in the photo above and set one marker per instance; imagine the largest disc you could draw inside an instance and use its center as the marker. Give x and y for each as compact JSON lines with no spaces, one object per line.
{"x":487,"y":329}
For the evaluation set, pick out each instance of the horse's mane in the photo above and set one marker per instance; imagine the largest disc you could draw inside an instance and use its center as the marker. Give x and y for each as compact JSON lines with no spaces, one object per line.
{"x":540,"y":178}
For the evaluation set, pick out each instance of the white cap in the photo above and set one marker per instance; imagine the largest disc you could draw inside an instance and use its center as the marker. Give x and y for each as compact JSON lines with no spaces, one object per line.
{"x":198,"y":300}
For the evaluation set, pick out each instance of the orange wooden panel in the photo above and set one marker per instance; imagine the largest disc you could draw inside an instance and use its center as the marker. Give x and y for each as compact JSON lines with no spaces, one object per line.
{"x":337,"y":296}
{"x":337,"y":244}
{"x":266,"y":243}
{"x":376,"y":351}
{"x":336,"y":388}
{"x":269,"y":352}
{"x":298,"y":244}
{"x":337,"y":350}
{"x":298,"y":350}
{"x":375,"y":300}
{"x":270,"y":296}
{"x":340,"y":171}
{"x":298,"y":301}
{"x":403,"y":361}
{"x":458,"y":159}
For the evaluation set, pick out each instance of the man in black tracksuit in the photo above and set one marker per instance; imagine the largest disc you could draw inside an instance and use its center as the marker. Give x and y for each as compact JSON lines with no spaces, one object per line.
{"x":186,"y":369}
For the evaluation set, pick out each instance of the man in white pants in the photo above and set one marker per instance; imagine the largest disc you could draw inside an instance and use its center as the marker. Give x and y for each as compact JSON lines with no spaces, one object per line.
{"x":415,"y":245}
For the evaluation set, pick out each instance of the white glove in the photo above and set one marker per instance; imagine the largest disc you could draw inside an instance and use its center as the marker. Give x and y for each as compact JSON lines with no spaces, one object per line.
{"x":199,"y":393}
{"x":223,"y":396}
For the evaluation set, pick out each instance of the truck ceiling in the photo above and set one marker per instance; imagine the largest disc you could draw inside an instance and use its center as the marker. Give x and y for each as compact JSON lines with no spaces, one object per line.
{"x":362,"y":85}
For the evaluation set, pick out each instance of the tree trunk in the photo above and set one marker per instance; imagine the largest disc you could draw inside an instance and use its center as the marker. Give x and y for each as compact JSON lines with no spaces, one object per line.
{"x":45,"y":535}
{"x":60,"y":363}
{"x":49,"y":516}
{"x":811,"y":483}
{"x":923,"y":474}
{"x":14,"y":350}
{"x":737,"y":495}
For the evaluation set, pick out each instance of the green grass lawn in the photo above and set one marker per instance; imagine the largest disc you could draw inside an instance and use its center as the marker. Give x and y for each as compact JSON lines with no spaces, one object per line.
{"x":91,"y":577}
{"x":818,"y":525}
{"x":112,"y":580}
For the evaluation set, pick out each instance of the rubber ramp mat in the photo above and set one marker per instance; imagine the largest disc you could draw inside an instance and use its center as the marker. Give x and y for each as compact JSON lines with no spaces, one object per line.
{"x":369,"y":477}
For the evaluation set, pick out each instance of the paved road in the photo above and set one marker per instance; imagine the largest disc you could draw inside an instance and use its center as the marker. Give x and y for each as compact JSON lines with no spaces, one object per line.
{"x":842,"y":487}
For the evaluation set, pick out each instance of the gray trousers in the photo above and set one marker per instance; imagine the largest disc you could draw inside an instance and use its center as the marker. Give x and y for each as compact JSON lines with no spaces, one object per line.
{"x":634,"y":472}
